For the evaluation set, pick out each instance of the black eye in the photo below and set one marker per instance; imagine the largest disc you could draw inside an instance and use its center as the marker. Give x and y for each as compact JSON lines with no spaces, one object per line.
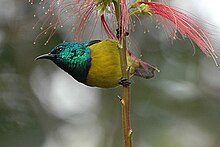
{"x":57,"y":50}
{"x":61,"y":49}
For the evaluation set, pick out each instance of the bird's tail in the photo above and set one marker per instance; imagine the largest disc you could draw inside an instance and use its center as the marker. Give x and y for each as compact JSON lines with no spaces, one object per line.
{"x":145,"y":70}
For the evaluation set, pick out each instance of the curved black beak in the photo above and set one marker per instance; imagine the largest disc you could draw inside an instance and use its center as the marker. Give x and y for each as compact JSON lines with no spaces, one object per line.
{"x":45,"y":56}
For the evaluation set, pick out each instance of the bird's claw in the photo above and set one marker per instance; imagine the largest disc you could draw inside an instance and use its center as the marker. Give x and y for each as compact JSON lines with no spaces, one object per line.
{"x":124,"y":82}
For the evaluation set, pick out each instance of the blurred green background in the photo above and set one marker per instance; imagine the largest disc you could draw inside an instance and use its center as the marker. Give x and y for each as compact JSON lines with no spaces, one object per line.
{"x":41,"y":106}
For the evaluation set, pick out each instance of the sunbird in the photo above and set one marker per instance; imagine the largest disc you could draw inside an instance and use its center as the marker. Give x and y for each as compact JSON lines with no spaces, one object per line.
{"x":96,"y":63}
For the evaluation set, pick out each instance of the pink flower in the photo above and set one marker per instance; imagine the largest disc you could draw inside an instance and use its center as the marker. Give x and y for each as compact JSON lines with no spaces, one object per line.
{"x":174,"y":20}
{"x":85,"y":15}
{"x":81,"y":14}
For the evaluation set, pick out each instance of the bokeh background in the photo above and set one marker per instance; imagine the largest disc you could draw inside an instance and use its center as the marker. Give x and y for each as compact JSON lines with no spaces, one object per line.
{"x":41,"y":106}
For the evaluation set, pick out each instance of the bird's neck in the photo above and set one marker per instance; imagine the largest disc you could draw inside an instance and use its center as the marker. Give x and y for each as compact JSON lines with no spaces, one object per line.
{"x":78,"y":67}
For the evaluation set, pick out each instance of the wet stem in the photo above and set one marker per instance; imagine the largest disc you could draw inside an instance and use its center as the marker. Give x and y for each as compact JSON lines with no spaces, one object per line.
{"x":125,"y":99}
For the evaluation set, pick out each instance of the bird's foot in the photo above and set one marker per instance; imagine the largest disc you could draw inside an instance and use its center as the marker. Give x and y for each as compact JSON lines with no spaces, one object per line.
{"x":124,"y":82}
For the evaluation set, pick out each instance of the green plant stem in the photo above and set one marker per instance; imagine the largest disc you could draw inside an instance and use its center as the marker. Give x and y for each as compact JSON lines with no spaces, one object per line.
{"x":125,"y":100}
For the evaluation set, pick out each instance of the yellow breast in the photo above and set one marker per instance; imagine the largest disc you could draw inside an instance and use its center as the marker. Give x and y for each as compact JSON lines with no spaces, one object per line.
{"x":105,"y":70}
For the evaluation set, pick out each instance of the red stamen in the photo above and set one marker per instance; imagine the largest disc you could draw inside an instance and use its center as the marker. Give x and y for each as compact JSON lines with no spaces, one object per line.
{"x":184,"y":24}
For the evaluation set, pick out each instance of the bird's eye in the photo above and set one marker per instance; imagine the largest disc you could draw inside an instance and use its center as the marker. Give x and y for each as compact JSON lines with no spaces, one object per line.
{"x":61,"y":49}
{"x":57,"y":50}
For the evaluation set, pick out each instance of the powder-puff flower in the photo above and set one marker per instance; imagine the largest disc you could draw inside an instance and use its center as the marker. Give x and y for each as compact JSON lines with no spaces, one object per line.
{"x":173,"y":21}
{"x":86,"y":14}
{"x":77,"y":15}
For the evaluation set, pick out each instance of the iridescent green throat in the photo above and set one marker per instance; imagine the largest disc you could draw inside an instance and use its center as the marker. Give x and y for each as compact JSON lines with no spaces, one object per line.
{"x":74,"y":58}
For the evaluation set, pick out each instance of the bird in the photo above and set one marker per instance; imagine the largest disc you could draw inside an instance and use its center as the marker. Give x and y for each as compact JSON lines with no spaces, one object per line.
{"x":97,"y":63}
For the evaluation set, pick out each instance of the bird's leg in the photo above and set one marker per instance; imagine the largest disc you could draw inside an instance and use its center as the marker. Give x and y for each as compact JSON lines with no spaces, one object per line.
{"x":124,"y":82}
{"x":119,"y":33}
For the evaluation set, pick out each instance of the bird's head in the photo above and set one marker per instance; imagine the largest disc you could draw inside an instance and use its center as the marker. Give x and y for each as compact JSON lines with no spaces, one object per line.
{"x":72,"y":57}
{"x":61,"y":52}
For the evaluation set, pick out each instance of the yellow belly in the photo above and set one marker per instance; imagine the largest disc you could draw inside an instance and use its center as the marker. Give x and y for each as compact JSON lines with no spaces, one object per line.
{"x":105,"y":70}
